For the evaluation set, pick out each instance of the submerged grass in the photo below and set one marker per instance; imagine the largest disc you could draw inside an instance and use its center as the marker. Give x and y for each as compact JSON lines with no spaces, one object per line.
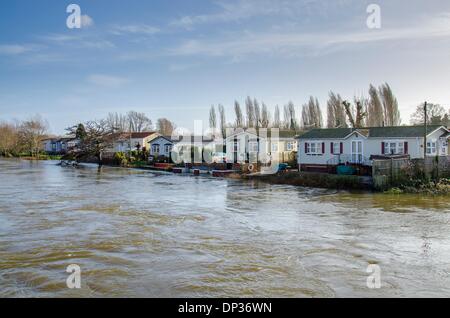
{"x":438,"y":187}
{"x":314,"y":180}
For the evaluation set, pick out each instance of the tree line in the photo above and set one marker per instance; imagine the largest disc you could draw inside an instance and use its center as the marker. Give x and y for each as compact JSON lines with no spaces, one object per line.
{"x":23,"y":137}
{"x":379,"y":109}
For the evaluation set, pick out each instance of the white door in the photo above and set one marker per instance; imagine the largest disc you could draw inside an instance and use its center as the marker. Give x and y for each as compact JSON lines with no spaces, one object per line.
{"x":357,"y":151}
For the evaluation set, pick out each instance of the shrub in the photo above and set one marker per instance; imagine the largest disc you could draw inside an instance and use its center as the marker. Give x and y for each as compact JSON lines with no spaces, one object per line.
{"x":120,"y":159}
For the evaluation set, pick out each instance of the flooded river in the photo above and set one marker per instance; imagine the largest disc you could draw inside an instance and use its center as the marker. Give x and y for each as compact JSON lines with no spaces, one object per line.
{"x":142,"y":234}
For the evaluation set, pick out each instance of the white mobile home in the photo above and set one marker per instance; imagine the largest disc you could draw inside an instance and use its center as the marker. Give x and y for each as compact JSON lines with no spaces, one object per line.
{"x":266,"y":145}
{"x":320,"y":148}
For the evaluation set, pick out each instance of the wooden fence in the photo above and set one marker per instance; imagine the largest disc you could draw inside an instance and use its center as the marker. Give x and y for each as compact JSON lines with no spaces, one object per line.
{"x":392,"y":172}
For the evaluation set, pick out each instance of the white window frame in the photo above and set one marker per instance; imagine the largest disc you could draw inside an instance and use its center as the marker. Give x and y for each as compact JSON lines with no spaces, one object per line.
{"x":290,"y":146}
{"x":357,"y":154}
{"x":274,"y":147}
{"x":156,"y":148}
{"x":253,"y":146}
{"x":431,"y":145}
{"x":338,"y":146}
{"x":444,"y":146}
{"x":396,"y":145}
{"x":314,"y":148}
{"x":168,"y":148}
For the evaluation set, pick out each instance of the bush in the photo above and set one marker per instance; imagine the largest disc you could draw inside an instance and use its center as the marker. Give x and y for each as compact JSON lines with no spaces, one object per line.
{"x":120,"y":159}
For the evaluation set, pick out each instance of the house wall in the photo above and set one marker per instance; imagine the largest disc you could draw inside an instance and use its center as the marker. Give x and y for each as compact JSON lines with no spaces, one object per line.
{"x":162,"y":151}
{"x":371,"y":146}
{"x":55,"y":146}
{"x":124,"y":145}
{"x":322,"y":158}
{"x":244,"y":151}
{"x":48,"y":146}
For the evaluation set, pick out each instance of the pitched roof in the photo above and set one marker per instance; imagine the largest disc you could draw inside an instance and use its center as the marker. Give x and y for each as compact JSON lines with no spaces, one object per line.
{"x":167,"y":138}
{"x":374,"y":132}
{"x":192,"y":139}
{"x":134,"y":135}
{"x":401,"y":131}
{"x":267,"y":133}
{"x":332,"y":133}
{"x":142,"y":134}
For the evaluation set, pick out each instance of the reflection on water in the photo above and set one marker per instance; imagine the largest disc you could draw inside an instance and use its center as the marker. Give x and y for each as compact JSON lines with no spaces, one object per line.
{"x":136,"y":233}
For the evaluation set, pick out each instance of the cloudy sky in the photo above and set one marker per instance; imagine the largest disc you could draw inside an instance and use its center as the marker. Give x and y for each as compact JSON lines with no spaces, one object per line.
{"x":175,"y":58}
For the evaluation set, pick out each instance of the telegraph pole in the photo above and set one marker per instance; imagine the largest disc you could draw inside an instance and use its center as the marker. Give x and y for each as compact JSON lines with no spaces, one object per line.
{"x":426,"y":131}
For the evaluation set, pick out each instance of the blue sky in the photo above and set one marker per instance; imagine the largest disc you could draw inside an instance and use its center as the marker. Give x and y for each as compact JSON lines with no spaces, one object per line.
{"x":175,"y":58}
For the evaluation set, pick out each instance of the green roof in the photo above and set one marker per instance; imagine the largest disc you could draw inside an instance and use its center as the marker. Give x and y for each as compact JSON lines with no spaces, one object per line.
{"x":332,"y":133}
{"x":374,"y":132}
{"x":401,"y":131}
{"x":282,"y":133}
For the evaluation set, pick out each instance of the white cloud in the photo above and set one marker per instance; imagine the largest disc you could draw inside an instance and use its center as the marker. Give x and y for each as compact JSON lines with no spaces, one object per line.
{"x":78,"y":41}
{"x":14,"y":49}
{"x":135,"y":29}
{"x":291,"y":43}
{"x":107,"y":80}
{"x":232,"y":11}
{"x":181,"y":67}
{"x":86,"y":21}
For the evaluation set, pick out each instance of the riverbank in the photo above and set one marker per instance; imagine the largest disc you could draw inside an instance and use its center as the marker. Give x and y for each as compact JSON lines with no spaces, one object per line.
{"x":310,"y":180}
{"x":38,"y":158}
{"x":314,"y":180}
{"x":439,"y":187}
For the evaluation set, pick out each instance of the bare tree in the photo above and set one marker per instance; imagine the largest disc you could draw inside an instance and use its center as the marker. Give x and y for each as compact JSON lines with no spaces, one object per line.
{"x":390,"y":105}
{"x":95,"y":139}
{"x":436,"y":115}
{"x":312,"y":114}
{"x":356,"y":115}
{"x":276,"y":118}
{"x":265,"y":116}
{"x":31,"y":134}
{"x":257,"y":110}
{"x":165,"y":127}
{"x":212,"y":117}
{"x":9,"y":139}
{"x":223,"y":123}
{"x":131,"y":122}
{"x":239,"y":117}
{"x":375,"y":112}
{"x":118,"y":122}
{"x":287,"y":117}
{"x":335,"y":111}
{"x":293,"y":125}
{"x":250,"y":109}
{"x":139,"y":122}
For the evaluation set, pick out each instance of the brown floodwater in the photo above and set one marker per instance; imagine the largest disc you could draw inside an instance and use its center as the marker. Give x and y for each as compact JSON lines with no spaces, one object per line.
{"x":143,"y":234}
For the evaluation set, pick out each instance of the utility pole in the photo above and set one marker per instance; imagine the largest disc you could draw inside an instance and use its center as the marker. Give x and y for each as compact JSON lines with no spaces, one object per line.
{"x":129,"y":153}
{"x":426,"y":131}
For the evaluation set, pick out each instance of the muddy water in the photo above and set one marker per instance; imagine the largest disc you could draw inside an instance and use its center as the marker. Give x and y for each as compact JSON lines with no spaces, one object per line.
{"x":137,"y":233}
